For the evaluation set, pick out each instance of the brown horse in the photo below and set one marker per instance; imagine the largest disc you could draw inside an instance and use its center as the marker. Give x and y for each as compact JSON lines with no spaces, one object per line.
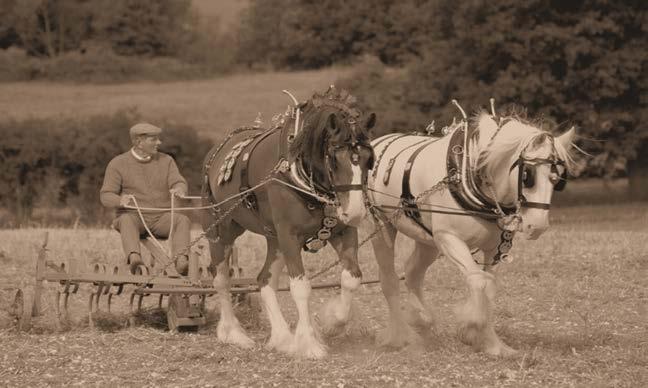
{"x":301,"y":189}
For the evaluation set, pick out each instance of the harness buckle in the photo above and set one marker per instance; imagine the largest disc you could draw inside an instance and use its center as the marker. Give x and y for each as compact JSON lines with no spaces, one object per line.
{"x":314,"y":244}
{"x":410,"y":207}
{"x":329,"y":222}
{"x":250,"y":201}
{"x":509,"y":223}
{"x":284,"y":166}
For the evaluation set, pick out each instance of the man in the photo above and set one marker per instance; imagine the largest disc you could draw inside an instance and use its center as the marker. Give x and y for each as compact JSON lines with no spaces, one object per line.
{"x":150,"y":177}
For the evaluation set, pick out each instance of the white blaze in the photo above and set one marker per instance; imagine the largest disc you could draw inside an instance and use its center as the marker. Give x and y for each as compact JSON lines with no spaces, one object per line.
{"x":352,"y":212}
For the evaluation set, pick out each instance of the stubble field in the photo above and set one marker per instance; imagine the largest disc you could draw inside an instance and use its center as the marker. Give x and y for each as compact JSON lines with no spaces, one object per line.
{"x":573,"y":302}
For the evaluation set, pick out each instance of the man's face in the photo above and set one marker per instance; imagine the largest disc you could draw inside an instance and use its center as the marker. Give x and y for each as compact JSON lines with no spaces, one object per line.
{"x":148,"y":144}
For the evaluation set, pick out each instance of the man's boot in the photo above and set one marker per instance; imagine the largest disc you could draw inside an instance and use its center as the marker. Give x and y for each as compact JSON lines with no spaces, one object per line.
{"x":134,"y":260}
{"x":182,"y":265}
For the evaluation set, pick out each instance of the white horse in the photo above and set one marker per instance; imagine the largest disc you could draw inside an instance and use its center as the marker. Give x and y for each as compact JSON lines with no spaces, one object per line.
{"x":472,"y":189}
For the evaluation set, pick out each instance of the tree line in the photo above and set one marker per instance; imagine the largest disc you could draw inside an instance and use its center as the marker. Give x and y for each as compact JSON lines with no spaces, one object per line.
{"x":571,"y":62}
{"x":109,"y":40}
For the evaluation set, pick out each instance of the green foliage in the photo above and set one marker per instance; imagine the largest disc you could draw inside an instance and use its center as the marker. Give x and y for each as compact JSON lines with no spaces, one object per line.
{"x":259,"y":35}
{"x":49,"y":27}
{"x":311,"y":34}
{"x":61,"y":162}
{"x":109,"y":40}
{"x":575,"y":62}
{"x":142,"y":27}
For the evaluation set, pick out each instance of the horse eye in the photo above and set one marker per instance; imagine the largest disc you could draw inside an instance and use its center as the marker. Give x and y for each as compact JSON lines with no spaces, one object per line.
{"x":527,"y":177}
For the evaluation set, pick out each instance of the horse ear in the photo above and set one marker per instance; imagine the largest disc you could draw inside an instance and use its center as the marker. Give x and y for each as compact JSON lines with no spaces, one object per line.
{"x":567,"y":138}
{"x":371,"y":121}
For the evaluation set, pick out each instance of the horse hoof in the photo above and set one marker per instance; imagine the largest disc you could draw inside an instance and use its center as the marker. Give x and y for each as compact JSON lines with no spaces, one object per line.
{"x":422,"y":320}
{"x":395,"y":340}
{"x":315,"y":353}
{"x":280,"y":343}
{"x":234,"y":335}
{"x":470,"y":334}
{"x":502,"y":350}
{"x":312,"y":350}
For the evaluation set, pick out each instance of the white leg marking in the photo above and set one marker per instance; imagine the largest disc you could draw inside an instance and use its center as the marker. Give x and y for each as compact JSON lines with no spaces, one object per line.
{"x":229,"y":329}
{"x":306,"y":343}
{"x":280,"y":336}
{"x":337,"y":310}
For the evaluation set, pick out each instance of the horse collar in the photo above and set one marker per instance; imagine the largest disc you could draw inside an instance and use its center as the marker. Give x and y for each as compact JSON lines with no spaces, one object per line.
{"x":319,"y":241}
{"x":464,"y":188}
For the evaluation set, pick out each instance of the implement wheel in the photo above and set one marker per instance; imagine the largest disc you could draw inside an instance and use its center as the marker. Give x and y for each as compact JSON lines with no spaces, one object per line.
{"x":23,"y":308}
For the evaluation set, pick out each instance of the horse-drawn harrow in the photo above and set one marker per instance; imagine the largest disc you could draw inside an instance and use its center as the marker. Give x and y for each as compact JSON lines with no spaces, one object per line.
{"x":186,"y":295}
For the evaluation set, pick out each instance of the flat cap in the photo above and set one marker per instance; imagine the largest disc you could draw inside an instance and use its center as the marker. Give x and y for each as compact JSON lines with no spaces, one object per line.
{"x":144,"y":129}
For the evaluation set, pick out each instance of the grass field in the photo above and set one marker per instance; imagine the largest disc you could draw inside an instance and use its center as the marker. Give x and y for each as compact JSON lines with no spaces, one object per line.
{"x":573,"y":302}
{"x":212,"y":106}
{"x":225,"y":12}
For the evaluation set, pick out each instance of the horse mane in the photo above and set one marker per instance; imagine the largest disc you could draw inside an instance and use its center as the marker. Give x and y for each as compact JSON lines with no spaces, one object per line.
{"x":315,"y":113}
{"x":515,"y":135}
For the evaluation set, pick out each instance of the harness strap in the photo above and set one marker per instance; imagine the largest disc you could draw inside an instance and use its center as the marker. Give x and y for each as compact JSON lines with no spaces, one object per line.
{"x":250,"y":201}
{"x":535,"y":205}
{"x":284,"y":139}
{"x":391,"y":141}
{"x":407,"y":198}
{"x":521,"y":198}
{"x":392,"y":161}
{"x":343,"y":188}
{"x":387,"y":137}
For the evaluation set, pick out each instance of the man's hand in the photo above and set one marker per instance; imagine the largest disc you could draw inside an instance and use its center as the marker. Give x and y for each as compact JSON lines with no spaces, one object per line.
{"x":125,"y":200}
{"x":178,"y":192}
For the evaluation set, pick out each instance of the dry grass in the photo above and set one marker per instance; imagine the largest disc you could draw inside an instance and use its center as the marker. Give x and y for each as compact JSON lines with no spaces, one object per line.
{"x":212,"y":106}
{"x":573,"y":302}
{"x":225,"y":12}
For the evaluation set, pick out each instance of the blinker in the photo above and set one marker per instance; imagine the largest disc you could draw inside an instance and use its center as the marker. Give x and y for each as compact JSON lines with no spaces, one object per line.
{"x":528,"y":173}
{"x":528,"y":176}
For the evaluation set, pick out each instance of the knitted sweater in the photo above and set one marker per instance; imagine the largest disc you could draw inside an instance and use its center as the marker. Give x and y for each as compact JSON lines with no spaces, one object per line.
{"x":149,"y":181}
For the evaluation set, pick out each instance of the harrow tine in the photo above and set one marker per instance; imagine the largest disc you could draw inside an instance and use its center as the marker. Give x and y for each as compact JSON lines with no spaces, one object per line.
{"x":98,"y":297}
{"x":138,"y":307}
{"x":109,"y":302}
{"x":90,"y":320}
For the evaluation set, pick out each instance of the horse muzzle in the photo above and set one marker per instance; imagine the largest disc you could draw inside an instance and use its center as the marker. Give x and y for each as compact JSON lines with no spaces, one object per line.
{"x":533,"y":231}
{"x":353,"y":213}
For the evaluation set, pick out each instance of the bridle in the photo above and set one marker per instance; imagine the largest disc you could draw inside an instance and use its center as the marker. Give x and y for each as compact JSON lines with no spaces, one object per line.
{"x":527,"y":177}
{"x":330,"y":190}
{"x":354,"y":147}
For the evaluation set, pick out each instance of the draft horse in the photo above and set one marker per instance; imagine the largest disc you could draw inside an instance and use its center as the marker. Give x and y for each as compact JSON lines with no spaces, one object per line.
{"x":470,"y":190}
{"x":314,"y":196}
